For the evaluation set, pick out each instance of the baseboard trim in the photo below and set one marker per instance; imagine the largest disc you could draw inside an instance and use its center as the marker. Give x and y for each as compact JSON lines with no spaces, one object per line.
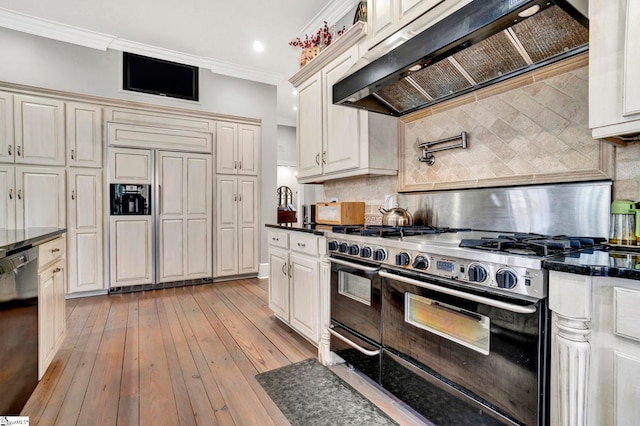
{"x":86,"y":294}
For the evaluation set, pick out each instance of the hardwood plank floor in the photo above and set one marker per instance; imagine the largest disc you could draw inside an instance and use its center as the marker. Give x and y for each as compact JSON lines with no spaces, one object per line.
{"x":184,"y":356}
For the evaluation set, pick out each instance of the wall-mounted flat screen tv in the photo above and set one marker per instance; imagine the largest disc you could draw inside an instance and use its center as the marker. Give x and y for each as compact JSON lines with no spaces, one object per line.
{"x":159,"y":77}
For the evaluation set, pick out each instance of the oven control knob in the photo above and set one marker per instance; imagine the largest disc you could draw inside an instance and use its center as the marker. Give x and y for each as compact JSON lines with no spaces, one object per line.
{"x":332,"y":245}
{"x":403,"y":259}
{"x":506,"y":278}
{"x":420,"y":262}
{"x":343,"y":247}
{"x":354,"y":249}
{"x":366,"y":252}
{"x":379,"y":254}
{"x":477,"y":273}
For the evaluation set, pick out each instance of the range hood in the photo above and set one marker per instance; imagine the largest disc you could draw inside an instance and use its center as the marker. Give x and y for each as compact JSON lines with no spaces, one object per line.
{"x":482,"y":43}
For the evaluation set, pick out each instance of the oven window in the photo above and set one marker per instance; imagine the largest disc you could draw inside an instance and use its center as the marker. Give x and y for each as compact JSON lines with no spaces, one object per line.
{"x":355,"y":287}
{"x":458,"y":325}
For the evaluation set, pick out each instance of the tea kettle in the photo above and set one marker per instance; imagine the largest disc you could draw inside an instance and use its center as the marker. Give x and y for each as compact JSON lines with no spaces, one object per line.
{"x":625,"y":223}
{"x":396,"y":217}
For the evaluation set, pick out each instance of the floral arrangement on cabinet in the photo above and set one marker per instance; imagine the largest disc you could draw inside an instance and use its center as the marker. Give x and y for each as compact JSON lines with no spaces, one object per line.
{"x":312,"y":45}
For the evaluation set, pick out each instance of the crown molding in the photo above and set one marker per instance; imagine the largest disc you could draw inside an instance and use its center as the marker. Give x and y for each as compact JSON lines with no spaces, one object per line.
{"x":332,"y":13}
{"x":94,"y":40}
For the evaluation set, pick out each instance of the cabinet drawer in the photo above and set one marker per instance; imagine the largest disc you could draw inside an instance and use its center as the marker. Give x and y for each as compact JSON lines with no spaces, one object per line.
{"x":627,"y":316}
{"x":306,"y":244}
{"x":278,"y":239}
{"x":50,"y":251}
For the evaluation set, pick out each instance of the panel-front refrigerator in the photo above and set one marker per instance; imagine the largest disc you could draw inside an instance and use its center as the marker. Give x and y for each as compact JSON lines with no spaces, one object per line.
{"x":160,"y":228}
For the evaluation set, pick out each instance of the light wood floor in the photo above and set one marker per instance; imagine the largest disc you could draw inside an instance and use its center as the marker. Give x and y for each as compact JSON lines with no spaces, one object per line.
{"x":182,"y":356}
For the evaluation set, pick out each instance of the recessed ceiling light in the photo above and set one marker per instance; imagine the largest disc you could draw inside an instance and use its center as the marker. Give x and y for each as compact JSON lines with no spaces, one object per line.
{"x":295,"y":92}
{"x":530,"y":11}
{"x":295,"y":108}
{"x":258,"y":46}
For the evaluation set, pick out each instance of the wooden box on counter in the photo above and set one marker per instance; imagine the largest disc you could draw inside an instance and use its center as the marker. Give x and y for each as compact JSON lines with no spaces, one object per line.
{"x":342,"y":213}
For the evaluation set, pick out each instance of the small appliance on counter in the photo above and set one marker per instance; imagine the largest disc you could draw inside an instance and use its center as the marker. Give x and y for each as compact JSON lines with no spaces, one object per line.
{"x":625,"y":223}
{"x":130,"y":199}
{"x":308,"y":214}
{"x":340,"y":213}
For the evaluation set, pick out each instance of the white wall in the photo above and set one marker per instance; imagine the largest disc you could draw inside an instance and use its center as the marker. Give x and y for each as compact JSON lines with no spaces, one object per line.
{"x":40,"y":62}
{"x":287,"y":149}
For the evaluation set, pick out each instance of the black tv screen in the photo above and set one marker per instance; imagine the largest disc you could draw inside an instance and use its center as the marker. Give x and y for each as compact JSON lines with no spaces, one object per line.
{"x":158,"y":77}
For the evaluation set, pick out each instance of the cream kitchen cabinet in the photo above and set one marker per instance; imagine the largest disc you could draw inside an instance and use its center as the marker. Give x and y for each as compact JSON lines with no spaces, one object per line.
{"x":237,"y":220}
{"x":237,"y":149}
{"x":84,"y":135}
{"x":184,"y":216}
{"x":32,"y":197}
{"x":294,"y":280}
{"x":51,"y":301}
{"x":130,"y":251}
{"x":39,"y":129}
{"x":595,"y":350}
{"x":85,"y":233}
{"x":6,"y":128}
{"x":337,"y":141}
{"x":130,"y":165}
{"x":614,"y":67}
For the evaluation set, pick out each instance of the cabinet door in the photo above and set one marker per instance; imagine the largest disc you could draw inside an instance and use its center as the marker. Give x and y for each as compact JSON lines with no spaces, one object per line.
{"x":7,"y":148}
{"x":130,"y":251}
{"x":7,"y":197}
{"x":84,"y":135}
{"x":46,"y":321}
{"x":227,"y":225}
{"x":341,"y":124}
{"x":248,"y":149}
{"x":184,"y":223}
{"x":279,"y":282}
{"x":384,"y":16}
{"x":631,"y":95}
{"x":309,"y":135}
{"x":39,"y":130}
{"x":40,"y":197}
{"x":130,"y":165}
{"x":248,"y":225}
{"x":305,"y":296}
{"x":85,"y":230}
{"x":226,"y":148}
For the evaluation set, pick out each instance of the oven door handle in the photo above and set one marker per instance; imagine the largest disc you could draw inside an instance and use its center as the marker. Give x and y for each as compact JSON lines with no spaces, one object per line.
{"x":352,"y":344}
{"x":461,"y":294}
{"x":354,"y":265}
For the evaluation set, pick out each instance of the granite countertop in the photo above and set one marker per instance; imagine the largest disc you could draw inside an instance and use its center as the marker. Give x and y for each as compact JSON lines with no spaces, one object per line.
{"x":11,"y":239}
{"x":612,"y":261}
{"x":309,"y":229}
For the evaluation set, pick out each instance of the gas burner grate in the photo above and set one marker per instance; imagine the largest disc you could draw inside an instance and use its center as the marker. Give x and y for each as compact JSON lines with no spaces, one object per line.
{"x":533,"y":244}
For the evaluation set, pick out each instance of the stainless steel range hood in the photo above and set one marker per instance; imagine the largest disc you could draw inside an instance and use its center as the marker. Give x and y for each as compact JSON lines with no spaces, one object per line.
{"x":482,"y":43}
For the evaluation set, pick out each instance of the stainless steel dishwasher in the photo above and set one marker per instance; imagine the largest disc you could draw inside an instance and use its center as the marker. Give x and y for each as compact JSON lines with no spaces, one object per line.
{"x":18,"y":328}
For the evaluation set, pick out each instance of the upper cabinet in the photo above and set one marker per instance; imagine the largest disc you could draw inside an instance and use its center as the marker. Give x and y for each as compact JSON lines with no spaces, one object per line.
{"x":336,"y":141}
{"x":38,"y":131}
{"x":6,"y":128}
{"x":388,"y":16}
{"x":614,"y":67}
{"x":237,"y":148}
{"x":84,"y":135}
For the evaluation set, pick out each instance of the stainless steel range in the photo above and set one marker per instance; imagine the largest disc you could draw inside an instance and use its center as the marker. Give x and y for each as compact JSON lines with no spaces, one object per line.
{"x":452,"y":321}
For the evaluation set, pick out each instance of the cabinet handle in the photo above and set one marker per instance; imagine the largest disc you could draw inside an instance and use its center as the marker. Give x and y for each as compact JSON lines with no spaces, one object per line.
{"x":324,"y":157}
{"x":303,"y":245}
{"x":73,"y":154}
{"x":240,"y":164}
{"x":55,"y":271}
{"x":318,"y":159}
{"x":55,"y":250}
{"x":11,"y":193}
{"x":284,"y":272}
{"x":275,"y":239}
{"x":160,"y":198}
{"x":235,"y":164}
{"x":9,"y":149}
{"x":73,"y":195}
{"x":289,"y":270}
{"x":235,"y":197}
{"x":19,"y":194}
{"x":239,"y":197}
{"x":19,"y":151}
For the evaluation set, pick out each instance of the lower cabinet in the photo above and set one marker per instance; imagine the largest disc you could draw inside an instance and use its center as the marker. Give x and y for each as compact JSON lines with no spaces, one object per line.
{"x":595,"y":356}
{"x":51,"y":301}
{"x":130,"y":250}
{"x":294,"y":280}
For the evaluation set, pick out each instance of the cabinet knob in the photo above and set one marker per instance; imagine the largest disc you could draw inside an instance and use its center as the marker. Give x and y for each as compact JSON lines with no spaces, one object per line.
{"x":303,"y":245}
{"x":55,"y":271}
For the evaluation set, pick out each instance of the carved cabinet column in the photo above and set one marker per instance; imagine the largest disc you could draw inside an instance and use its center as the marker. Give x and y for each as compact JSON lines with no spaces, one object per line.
{"x":570,"y":300}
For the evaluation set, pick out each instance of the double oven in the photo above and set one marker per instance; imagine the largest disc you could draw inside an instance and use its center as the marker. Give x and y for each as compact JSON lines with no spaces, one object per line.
{"x":458,"y":337}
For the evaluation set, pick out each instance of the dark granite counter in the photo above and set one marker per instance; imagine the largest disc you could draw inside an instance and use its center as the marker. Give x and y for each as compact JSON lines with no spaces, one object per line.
{"x":614,"y":262}
{"x":309,"y":229}
{"x":12,"y":239}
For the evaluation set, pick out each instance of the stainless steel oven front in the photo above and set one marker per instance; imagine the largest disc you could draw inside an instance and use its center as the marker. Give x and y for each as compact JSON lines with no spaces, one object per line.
{"x":356,"y":314}
{"x":446,"y":343}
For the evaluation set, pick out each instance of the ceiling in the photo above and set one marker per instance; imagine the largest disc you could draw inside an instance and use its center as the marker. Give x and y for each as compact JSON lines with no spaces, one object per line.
{"x":213,"y":34}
